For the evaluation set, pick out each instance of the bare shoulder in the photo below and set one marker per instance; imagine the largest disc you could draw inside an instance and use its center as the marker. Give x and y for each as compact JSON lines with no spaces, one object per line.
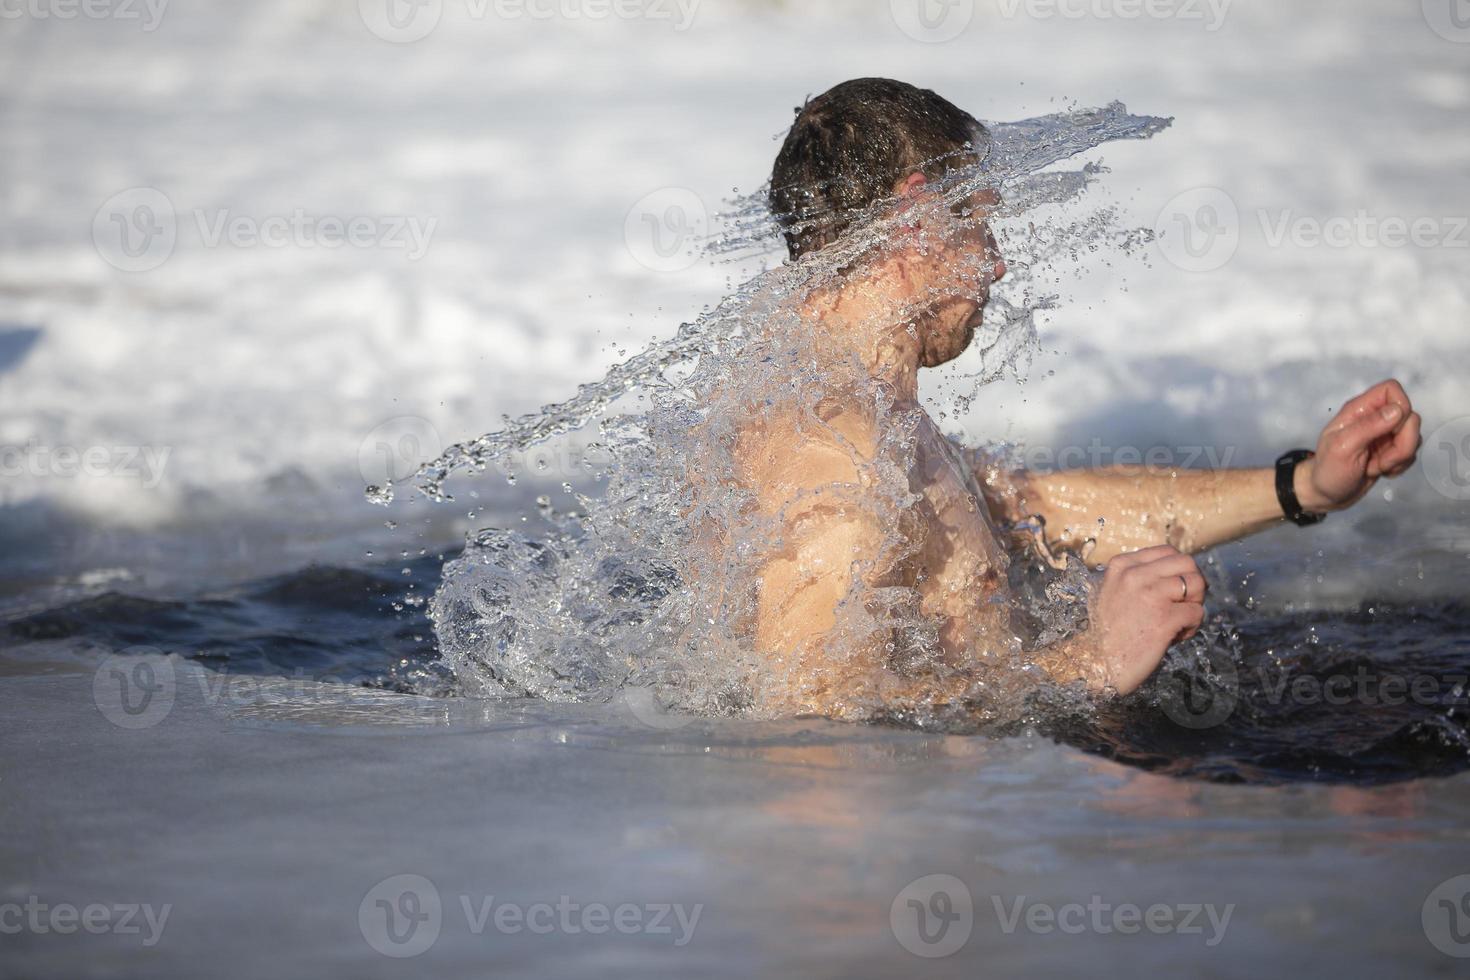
{"x":786,"y":452}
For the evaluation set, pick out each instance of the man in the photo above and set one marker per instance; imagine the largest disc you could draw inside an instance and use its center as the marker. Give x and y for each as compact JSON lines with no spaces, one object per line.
{"x":841,"y":549}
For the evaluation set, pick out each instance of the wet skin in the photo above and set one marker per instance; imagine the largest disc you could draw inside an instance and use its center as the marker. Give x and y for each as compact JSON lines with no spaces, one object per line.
{"x":837,"y":544}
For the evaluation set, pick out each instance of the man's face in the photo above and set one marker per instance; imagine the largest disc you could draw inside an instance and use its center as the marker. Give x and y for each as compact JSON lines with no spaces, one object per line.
{"x":956,"y":267}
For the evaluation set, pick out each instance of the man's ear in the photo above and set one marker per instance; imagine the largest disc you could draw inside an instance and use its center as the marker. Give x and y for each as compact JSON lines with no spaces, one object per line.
{"x":907,"y":192}
{"x":911,"y":186}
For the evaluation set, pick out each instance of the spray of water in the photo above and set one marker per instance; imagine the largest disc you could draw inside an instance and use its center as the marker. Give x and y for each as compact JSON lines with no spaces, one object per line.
{"x":647,"y":580}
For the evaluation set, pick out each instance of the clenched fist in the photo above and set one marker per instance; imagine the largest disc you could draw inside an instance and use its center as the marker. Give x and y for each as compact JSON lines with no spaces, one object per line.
{"x":1149,"y":600}
{"x":1375,"y":435}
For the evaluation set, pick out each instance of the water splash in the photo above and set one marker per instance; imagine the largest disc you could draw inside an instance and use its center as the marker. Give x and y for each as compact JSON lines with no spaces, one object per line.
{"x":1019,"y":153}
{"x":648,"y":580}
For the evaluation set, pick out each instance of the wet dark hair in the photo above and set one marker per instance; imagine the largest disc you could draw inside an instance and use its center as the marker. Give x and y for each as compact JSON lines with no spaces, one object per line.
{"x":850,"y":145}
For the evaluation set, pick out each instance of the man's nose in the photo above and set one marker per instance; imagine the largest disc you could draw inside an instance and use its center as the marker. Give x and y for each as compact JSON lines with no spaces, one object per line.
{"x":999,"y":271}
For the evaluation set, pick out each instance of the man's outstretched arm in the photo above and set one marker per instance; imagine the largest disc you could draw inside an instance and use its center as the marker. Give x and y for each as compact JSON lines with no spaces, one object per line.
{"x":1124,"y":509}
{"x":832,"y":546}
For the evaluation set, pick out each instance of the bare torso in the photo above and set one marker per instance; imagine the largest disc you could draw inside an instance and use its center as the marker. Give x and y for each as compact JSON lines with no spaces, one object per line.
{"x":951,"y":553}
{"x":962,"y":568}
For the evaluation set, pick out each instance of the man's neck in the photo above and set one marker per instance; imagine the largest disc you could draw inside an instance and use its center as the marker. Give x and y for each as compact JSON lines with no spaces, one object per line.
{"x":861,"y":319}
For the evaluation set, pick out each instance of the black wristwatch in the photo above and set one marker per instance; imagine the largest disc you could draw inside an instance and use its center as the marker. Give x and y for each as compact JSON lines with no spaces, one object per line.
{"x":1286,"y":489}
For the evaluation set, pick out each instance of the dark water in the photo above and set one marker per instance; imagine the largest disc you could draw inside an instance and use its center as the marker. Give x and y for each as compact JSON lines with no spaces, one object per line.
{"x":321,"y":623}
{"x":1377,"y":694}
{"x":1374,"y":695}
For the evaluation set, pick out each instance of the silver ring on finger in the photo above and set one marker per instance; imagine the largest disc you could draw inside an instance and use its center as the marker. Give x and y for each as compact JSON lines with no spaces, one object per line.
{"x":1184,"y":597}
